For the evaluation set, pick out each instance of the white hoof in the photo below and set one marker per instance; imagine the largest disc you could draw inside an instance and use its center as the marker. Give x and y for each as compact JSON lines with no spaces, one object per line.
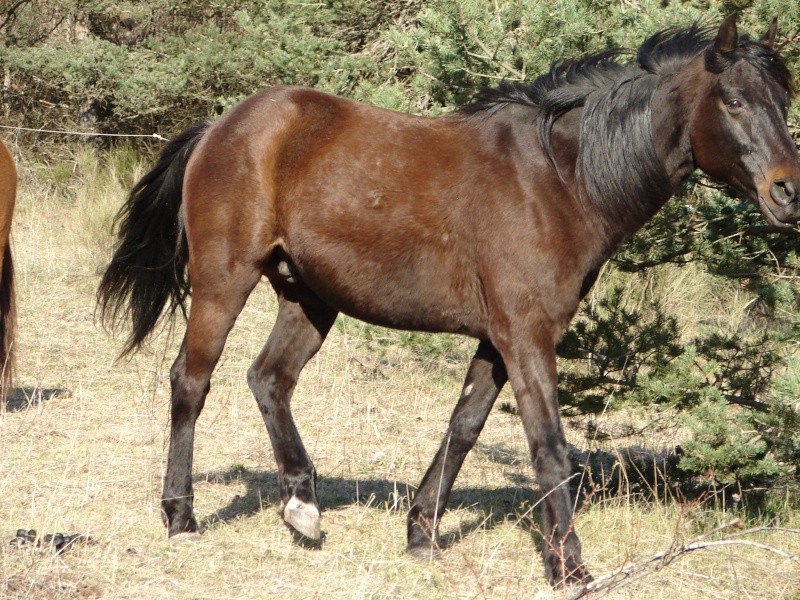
{"x":304,"y":517}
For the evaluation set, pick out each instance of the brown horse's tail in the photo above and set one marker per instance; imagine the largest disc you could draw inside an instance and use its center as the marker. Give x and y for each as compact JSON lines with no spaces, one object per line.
{"x":8,"y":322}
{"x":148,"y":269}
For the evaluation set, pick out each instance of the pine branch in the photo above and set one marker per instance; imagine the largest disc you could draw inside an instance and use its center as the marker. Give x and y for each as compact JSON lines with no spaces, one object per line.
{"x":10,"y":13}
{"x":490,"y":56}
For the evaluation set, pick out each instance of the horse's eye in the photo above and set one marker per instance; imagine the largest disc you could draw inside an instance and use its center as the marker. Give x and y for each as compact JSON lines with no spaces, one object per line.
{"x":734,"y":105}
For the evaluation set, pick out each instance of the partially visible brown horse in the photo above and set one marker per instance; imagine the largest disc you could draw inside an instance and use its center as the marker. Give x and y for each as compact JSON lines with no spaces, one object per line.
{"x":8,"y":194}
{"x":491,"y":222}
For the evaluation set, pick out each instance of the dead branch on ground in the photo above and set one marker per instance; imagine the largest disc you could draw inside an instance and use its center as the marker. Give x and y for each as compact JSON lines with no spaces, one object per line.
{"x":633,"y":571}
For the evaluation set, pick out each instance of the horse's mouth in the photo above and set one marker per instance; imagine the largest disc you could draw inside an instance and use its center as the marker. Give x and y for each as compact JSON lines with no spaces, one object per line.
{"x":768,"y":211}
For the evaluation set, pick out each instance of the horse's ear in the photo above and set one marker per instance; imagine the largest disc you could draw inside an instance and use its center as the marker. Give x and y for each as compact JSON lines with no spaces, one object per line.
{"x":769,"y":35}
{"x":727,"y":36}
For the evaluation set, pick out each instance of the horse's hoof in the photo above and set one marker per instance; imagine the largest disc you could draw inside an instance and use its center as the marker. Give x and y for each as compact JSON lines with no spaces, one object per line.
{"x":423,"y":552}
{"x":568,"y":574}
{"x":303,"y":517}
{"x":182,"y":526}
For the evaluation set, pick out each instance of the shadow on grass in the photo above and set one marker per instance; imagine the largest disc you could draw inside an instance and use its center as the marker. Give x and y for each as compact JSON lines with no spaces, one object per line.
{"x":23,"y":398}
{"x":494,"y":505}
{"x":629,"y":472}
{"x":635,"y":473}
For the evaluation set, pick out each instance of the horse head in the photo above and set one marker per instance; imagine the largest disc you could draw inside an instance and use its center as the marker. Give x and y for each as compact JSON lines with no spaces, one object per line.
{"x":738,"y":125}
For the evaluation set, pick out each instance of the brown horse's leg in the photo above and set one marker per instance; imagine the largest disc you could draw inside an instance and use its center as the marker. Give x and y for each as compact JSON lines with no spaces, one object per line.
{"x":298,"y":333}
{"x":215,"y":306}
{"x":485,"y":378}
{"x":8,"y":319}
{"x":529,"y":355}
{"x":8,"y":190}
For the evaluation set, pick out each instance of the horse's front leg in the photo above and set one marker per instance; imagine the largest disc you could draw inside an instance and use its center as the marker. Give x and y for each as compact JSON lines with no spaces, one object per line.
{"x":528,"y":350}
{"x":485,"y":378}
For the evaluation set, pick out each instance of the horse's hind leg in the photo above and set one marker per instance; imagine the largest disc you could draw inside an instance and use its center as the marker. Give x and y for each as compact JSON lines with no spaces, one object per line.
{"x":485,"y":378}
{"x":299,"y":331}
{"x":215,"y":305}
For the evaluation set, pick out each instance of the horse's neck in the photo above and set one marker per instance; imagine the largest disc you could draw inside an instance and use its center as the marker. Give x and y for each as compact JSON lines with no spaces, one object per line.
{"x":671,"y":108}
{"x":670,"y":135}
{"x":671,"y":129}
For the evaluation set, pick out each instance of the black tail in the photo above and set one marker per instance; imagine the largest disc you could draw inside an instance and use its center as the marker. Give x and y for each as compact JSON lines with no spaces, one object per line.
{"x":148,"y":269}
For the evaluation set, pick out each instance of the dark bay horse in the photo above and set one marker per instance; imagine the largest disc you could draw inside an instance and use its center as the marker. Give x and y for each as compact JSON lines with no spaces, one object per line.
{"x":8,"y":194}
{"x":491,"y":222}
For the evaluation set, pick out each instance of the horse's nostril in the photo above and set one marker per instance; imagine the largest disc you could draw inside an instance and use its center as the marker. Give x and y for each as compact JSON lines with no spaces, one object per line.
{"x":783,"y":191}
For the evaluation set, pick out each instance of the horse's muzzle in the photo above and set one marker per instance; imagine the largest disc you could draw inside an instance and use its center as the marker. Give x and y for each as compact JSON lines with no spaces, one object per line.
{"x":779,"y":200}
{"x":784,"y":192}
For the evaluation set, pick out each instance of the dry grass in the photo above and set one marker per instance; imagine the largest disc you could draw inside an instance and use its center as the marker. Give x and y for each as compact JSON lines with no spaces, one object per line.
{"x":82,"y":450}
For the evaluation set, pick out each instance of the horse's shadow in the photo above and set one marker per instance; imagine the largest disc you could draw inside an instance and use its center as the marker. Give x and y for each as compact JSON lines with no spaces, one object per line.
{"x":23,"y":398}
{"x":490,"y":505}
{"x":628,"y":471}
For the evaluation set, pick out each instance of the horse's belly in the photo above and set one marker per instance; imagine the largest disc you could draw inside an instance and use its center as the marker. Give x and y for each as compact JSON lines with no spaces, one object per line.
{"x":418,"y":290}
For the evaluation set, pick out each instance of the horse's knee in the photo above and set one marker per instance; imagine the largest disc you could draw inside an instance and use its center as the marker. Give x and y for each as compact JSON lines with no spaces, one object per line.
{"x":465,"y":427}
{"x":552,"y":471}
{"x":188,"y":394}
{"x":463,"y":436}
{"x":253,"y":378}
{"x":270,"y":386}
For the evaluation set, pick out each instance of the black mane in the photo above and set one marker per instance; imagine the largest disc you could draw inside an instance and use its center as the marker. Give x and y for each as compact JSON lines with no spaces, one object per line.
{"x":616,"y":97}
{"x":568,"y":82}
